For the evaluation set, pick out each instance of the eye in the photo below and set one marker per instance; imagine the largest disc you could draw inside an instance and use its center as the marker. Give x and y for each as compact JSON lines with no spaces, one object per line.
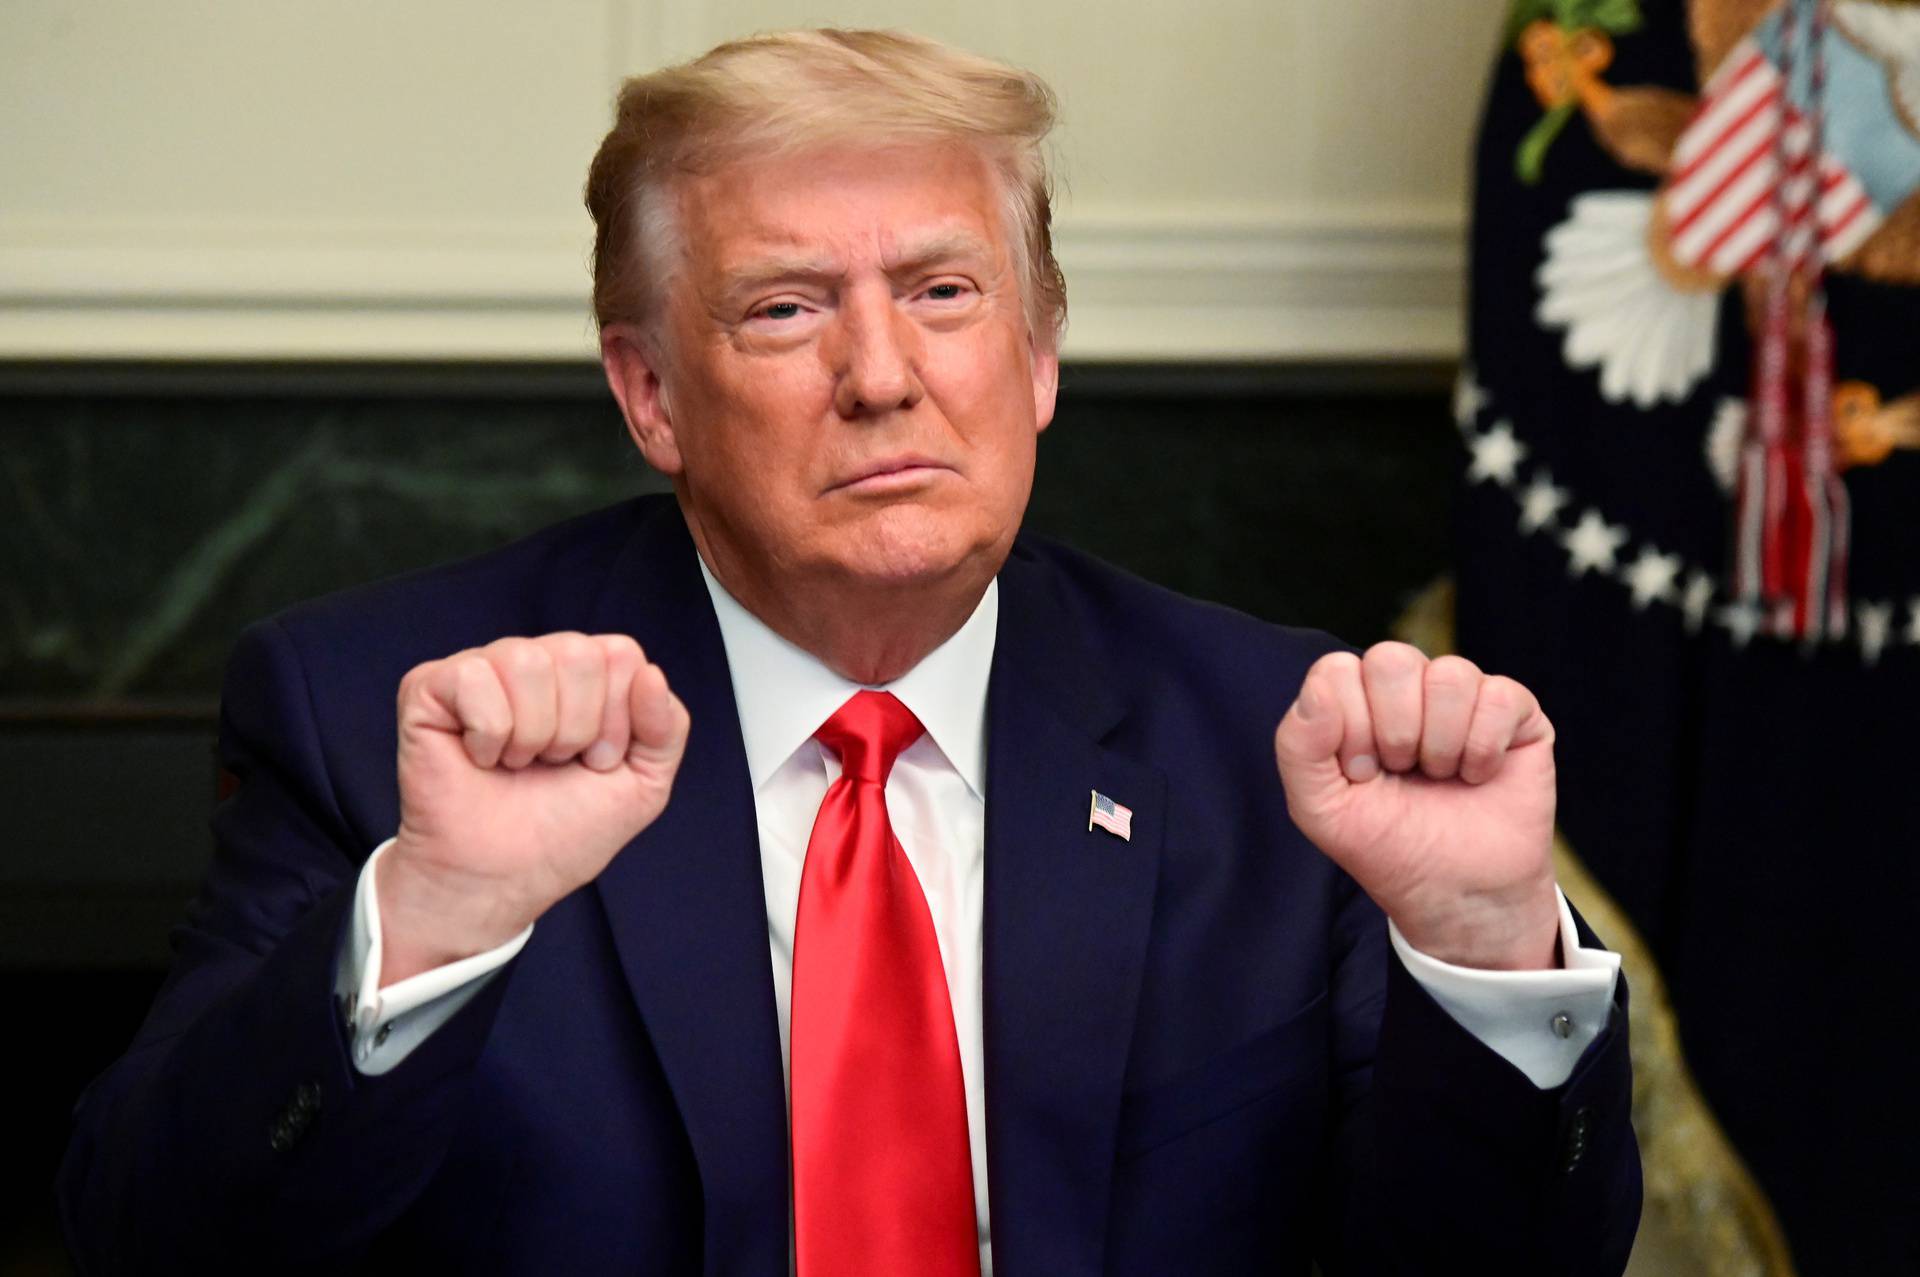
{"x":778,"y":310}
{"x":945,"y":292}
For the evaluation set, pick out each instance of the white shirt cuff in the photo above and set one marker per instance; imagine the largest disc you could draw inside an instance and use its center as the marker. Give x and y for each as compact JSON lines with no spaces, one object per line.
{"x":1538,"y":1021}
{"x":385,"y":1025}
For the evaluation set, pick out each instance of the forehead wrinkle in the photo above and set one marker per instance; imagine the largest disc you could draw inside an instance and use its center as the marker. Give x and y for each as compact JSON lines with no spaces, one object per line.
{"x":917,"y":253}
{"x":936,"y":246}
{"x":758,"y":270}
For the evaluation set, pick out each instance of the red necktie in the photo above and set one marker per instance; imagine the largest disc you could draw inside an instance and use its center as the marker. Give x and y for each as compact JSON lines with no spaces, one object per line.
{"x":882,"y":1175}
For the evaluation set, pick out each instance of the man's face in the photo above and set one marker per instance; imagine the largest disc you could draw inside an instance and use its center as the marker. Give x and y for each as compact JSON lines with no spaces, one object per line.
{"x":847,"y":389}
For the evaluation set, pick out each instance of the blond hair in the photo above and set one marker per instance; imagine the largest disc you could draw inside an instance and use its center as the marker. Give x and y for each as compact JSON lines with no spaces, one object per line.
{"x":791,"y":90}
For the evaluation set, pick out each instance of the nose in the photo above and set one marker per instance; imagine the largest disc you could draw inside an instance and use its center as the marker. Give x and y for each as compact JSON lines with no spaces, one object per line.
{"x":876,"y":355}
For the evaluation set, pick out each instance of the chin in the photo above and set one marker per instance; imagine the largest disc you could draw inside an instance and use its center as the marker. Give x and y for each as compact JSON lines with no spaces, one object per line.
{"x":904,"y":547}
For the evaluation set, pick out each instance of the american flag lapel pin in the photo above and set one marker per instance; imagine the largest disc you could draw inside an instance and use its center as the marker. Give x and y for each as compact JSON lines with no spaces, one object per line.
{"x":1110,"y":816}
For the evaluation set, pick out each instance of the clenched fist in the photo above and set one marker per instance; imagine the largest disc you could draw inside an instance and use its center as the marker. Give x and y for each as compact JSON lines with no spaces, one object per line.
{"x":524,"y":766}
{"x":1432,"y":785}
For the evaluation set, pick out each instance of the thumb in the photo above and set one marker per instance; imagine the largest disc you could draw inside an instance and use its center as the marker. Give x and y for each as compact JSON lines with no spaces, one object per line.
{"x":659,"y":723}
{"x":1306,"y":746}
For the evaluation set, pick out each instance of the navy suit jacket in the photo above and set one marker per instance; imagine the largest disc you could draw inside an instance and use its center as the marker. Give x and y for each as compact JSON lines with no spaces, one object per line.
{"x":1201,"y":1055}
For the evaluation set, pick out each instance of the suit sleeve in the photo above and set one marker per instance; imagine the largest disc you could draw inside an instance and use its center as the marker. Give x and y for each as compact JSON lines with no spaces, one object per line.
{"x":235,"y":1126}
{"x":1448,"y":1157}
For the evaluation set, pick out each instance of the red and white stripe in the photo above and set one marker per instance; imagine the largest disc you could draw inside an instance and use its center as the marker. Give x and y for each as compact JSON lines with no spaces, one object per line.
{"x":1723,"y":209}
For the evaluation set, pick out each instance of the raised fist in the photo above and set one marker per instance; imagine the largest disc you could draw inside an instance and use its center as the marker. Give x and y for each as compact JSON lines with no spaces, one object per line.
{"x":1432,"y":785}
{"x":525,"y":765}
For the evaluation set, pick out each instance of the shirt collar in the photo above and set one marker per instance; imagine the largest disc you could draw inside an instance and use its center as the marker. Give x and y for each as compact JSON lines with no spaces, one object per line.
{"x":783,"y":693}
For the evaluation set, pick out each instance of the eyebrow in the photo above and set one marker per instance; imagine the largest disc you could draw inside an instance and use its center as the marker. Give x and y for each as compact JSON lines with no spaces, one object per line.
{"x":943,"y":246}
{"x":775,"y":268}
{"x":763,"y":272}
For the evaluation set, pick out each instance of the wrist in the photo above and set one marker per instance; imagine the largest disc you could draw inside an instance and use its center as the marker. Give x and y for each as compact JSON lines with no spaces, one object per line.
{"x":429,"y":918}
{"x":1517,"y":930}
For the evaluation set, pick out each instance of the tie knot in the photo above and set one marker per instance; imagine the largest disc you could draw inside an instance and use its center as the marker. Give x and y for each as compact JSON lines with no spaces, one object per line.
{"x":868,"y":733}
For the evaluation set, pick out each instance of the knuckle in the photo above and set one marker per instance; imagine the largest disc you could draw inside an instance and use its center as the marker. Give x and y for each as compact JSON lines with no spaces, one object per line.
{"x":1335,"y":678}
{"x":1452,"y":674}
{"x":1334,"y":664}
{"x":410,"y":682}
{"x":473,"y":673}
{"x":573,"y":654}
{"x":619,"y":650}
{"x":416,"y":681}
{"x":524,"y":658}
{"x":1500,"y":693}
{"x":1393,"y":658}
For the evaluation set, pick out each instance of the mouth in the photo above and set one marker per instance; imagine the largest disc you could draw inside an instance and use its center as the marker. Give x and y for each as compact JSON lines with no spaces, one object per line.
{"x":891,"y":474}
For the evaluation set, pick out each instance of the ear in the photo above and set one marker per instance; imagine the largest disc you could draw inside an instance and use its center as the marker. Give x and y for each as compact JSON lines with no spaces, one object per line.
{"x":632,"y":363}
{"x":1046,"y":382}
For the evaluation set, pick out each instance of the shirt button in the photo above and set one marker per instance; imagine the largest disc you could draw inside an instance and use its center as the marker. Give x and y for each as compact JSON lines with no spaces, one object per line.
{"x":1562,"y":1025}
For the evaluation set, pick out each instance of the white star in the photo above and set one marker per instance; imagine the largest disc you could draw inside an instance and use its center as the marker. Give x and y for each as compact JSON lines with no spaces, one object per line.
{"x":1913,"y":620}
{"x":1496,"y":455}
{"x":1693,"y":604}
{"x":1592,"y":544}
{"x":1651,"y":577}
{"x":1876,"y":623}
{"x":1740,"y":619}
{"x":1540,"y":503}
{"x":1469,"y":397}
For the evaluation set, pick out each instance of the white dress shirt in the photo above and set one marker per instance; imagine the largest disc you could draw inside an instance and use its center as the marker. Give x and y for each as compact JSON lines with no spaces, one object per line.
{"x":1540,"y":1021}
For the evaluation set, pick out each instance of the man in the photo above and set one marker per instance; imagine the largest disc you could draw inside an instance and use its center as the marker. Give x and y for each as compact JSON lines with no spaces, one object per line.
{"x":809,"y":871}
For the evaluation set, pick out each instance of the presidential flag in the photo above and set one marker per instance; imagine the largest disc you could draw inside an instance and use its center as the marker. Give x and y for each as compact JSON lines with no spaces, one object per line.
{"x":1741,"y":791}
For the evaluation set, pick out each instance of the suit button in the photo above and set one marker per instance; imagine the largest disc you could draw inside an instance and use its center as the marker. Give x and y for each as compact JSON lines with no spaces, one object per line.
{"x":292,"y":1121}
{"x":1574,"y":1149}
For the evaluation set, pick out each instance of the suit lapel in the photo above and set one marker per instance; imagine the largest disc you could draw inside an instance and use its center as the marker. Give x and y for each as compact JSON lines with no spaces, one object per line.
{"x":688,"y":915}
{"x":1066,"y":924}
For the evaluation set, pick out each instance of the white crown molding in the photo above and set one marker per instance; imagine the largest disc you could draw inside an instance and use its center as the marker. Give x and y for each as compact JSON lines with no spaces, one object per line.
{"x":1292,"y":289}
{"x":1174,"y":288}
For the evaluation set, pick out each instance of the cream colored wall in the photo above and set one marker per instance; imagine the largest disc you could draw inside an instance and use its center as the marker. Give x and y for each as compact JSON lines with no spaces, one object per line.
{"x":322,"y":179}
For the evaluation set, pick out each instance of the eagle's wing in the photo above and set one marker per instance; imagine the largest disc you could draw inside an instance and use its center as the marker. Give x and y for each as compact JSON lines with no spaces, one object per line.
{"x":1890,"y":33}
